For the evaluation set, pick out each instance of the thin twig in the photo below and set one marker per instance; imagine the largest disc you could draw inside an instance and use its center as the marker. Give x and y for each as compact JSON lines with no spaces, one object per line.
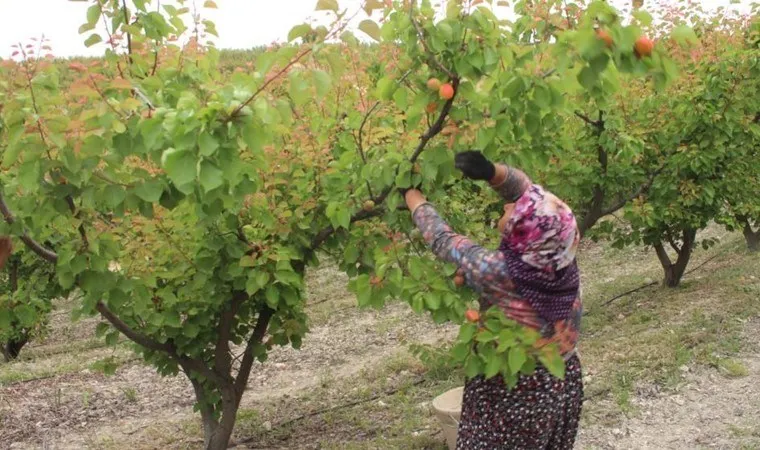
{"x":587,"y":119}
{"x":319,"y":412}
{"x":430,"y":54}
{"x":282,"y":71}
{"x":657,"y":282}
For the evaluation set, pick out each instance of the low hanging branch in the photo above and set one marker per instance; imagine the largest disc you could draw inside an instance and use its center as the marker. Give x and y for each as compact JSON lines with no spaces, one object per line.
{"x":33,"y":245}
{"x":137,"y":337}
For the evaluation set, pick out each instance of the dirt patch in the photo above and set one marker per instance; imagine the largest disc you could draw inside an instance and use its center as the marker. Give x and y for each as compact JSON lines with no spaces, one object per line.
{"x":710,"y":410}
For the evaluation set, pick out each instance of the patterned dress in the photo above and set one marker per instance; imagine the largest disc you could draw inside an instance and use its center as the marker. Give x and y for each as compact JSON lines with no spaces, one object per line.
{"x":542,"y":411}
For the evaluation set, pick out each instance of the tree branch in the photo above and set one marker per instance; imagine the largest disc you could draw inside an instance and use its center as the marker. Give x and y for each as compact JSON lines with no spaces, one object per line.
{"x":662,"y":255}
{"x":432,"y":131}
{"x":431,"y":55}
{"x":133,"y":335}
{"x":287,"y":67}
{"x":222,"y":357}
{"x":673,"y":244}
{"x":76,"y":214}
{"x":587,"y":119}
{"x":640,"y":191}
{"x":437,"y":125}
{"x":190,"y":363}
{"x":265,"y":315}
{"x":33,"y":245}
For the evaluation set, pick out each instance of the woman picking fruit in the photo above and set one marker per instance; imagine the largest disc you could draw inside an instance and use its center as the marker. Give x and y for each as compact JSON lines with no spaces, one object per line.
{"x":533,"y":277}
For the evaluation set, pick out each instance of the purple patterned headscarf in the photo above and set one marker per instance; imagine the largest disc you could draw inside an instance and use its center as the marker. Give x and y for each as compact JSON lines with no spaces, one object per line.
{"x":539,"y":242}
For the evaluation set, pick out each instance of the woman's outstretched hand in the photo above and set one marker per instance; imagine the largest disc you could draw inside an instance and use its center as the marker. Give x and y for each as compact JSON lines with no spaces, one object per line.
{"x":414,"y":199}
{"x":475,"y":166}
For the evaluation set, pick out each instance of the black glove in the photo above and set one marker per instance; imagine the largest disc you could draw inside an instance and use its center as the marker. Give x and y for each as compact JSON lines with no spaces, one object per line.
{"x":474,"y":165}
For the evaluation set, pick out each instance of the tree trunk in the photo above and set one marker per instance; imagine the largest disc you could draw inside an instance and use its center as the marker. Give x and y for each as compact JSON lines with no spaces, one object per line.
{"x":752,"y":237}
{"x":674,"y":271}
{"x":217,"y":433}
{"x":12,"y":348}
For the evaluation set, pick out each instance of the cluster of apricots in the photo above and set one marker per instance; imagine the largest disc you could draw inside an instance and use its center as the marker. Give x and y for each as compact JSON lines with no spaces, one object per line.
{"x":642,"y":47}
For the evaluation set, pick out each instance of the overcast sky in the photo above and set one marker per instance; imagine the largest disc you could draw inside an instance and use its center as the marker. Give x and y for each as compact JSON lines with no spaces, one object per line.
{"x":241,"y":23}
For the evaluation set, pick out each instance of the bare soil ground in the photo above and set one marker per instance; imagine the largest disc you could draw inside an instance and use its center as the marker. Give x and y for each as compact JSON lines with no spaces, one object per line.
{"x":656,"y":397}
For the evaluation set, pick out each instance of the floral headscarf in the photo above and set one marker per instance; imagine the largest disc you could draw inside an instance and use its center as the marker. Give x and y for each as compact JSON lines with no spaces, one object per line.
{"x":540,"y":242}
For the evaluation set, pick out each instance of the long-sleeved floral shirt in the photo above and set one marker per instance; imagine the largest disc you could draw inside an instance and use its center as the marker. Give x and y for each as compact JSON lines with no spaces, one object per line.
{"x":486,"y":270}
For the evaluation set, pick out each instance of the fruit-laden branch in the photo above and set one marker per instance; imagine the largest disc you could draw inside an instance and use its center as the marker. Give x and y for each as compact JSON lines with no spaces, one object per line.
{"x":432,"y":131}
{"x":33,"y":245}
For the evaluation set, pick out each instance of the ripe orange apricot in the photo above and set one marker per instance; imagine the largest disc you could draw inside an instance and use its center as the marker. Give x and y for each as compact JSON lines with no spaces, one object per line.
{"x":605,"y":36}
{"x":472,"y":316}
{"x":431,"y":107}
{"x":434,"y":84}
{"x":643,"y":46}
{"x":459,"y":280}
{"x":446,"y":91}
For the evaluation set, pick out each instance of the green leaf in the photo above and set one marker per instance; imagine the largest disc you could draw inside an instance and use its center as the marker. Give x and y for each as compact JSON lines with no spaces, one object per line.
{"x":92,"y":40}
{"x":599,"y":63}
{"x":256,"y":281}
{"x":473,"y":366}
{"x":207,"y":144}
{"x":11,"y":155}
{"x":643,"y":17}
{"x":514,"y":87}
{"x":272,"y":295}
{"x":493,"y":366}
{"x":150,"y":191}
{"x":322,"y":81}
{"x":210,"y":176}
{"x":385,"y":88}
{"x":25,"y":315}
{"x":466,"y":332}
{"x":542,"y":96}
{"x":114,"y":195}
{"x":517,"y":358}
{"x":343,"y":217}
{"x":587,"y":78}
{"x":112,"y":338}
{"x":101,"y":329}
{"x":363,"y":290}
{"x":553,"y":362}
{"x":298,"y":89}
{"x":93,"y":13}
{"x":684,"y":35}
{"x":190,"y":330}
{"x":433,"y":301}
{"x":327,"y":5}
{"x":299,"y":31}
{"x":506,"y":340}
{"x":370,"y":28}
{"x":179,"y":165}
{"x":5,"y":319}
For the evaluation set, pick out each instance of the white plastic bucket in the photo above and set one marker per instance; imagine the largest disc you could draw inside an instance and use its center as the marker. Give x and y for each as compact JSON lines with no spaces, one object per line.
{"x":448,"y":409}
